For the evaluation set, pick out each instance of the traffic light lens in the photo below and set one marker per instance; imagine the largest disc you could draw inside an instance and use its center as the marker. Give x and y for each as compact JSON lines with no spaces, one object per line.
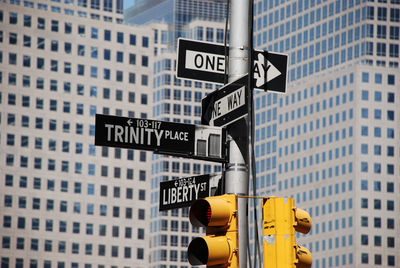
{"x":200,"y":213}
{"x":198,"y":252}
{"x":208,"y":214}
{"x":218,"y":214}
{"x":210,"y":250}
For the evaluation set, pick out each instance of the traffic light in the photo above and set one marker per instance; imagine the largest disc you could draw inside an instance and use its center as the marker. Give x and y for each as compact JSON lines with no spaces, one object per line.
{"x":280,"y":221}
{"x":219,"y":248}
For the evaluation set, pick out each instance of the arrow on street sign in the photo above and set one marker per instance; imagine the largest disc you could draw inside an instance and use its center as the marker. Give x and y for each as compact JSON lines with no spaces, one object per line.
{"x":270,"y":71}
{"x":226,"y":104}
{"x":185,"y":140}
{"x":182,"y":192}
{"x":206,"y":62}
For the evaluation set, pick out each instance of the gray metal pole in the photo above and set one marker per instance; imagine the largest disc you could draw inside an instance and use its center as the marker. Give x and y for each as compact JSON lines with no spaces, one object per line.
{"x":237,"y":173}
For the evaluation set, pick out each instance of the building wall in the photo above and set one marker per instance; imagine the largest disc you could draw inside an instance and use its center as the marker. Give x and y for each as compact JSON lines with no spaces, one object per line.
{"x":321,"y":35}
{"x":177,"y":13}
{"x":64,"y":201}
{"x":175,"y":100}
{"x":330,"y":141}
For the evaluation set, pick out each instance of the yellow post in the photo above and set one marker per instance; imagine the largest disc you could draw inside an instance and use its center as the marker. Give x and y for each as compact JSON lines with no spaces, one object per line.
{"x":280,"y":221}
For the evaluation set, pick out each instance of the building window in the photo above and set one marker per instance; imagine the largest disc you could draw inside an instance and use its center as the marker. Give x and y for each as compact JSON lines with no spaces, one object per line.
{"x":142,"y":194}
{"x":54,"y":25}
{"x":119,"y":76}
{"x":393,"y":50}
{"x":102,"y":230}
{"x":120,"y":37}
{"x":61,"y":246}
{"x":132,"y":39}
{"x":8,"y":201}
{"x":127,"y":252}
{"x":377,"y":204}
{"x":140,"y":254}
{"x":145,"y":61}
{"x":364,"y":221}
{"x":364,"y":258}
{"x":377,"y":259}
{"x":390,"y":242}
{"x":391,"y":261}
{"x":63,"y":206}
{"x":107,"y":35}
{"x":390,"y":224}
{"x":381,"y":49}
{"x":141,"y":214}
{"x":94,"y":33}
{"x":114,"y":251}
{"x":382,"y":13}
{"x":48,"y":245}
{"x":115,"y":211}
{"x":115,"y":231}
{"x":145,"y":41}
{"x":75,"y":248}
{"x":76,"y":227}
{"x":364,"y":203}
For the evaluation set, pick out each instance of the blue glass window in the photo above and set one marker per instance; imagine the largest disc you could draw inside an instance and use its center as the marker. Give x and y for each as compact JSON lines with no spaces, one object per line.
{"x":365,"y":77}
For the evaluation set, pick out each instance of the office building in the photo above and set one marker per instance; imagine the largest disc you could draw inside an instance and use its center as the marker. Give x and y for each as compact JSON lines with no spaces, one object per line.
{"x":64,"y":201}
{"x":331,"y":141}
{"x":175,"y":100}
{"x":176,"y":13}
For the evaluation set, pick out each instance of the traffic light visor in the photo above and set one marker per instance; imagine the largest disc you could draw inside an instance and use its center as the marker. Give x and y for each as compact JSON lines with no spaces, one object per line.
{"x":200,"y":213}
{"x":198,"y":252}
{"x":304,"y":257}
{"x":210,"y":212}
{"x":209,"y":250}
{"x":303,"y":220}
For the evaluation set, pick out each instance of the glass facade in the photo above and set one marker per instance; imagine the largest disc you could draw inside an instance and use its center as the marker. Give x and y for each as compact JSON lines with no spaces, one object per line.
{"x":328,"y":141}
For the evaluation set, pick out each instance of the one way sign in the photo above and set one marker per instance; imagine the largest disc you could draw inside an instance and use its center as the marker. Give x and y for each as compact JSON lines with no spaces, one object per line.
{"x":226,"y":105}
{"x":270,"y":71}
{"x":205,"y":61}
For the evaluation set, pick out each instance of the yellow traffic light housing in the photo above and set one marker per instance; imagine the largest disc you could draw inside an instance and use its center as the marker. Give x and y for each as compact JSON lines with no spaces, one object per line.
{"x":219,"y":247}
{"x":280,"y":221}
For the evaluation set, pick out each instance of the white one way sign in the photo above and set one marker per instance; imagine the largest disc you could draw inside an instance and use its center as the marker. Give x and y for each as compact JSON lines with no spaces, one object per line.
{"x":225,"y":105}
{"x":228,"y":103}
{"x":206,"y":62}
{"x":264,"y":71}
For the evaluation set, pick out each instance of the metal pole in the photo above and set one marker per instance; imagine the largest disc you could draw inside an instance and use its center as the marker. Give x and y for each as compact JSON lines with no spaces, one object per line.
{"x":237,"y":173}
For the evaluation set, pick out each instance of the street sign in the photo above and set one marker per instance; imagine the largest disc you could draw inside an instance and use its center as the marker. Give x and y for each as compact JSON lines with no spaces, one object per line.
{"x":182,"y":192}
{"x":206,"y":62}
{"x":185,"y":140}
{"x":270,"y":71}
{"x":226,"y":105}
{"x":201,"y":61}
